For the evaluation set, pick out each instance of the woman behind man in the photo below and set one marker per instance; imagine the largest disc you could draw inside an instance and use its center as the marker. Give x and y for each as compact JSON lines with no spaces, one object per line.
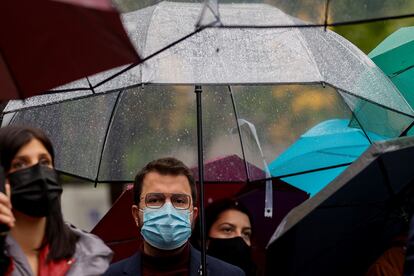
{"x":229,"y":233}
{"x":39,"y":242}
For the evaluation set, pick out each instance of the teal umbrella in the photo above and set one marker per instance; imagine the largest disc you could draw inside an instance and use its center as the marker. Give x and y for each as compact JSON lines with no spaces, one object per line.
{"x":321,"y":154}
{"x":395,"y":56}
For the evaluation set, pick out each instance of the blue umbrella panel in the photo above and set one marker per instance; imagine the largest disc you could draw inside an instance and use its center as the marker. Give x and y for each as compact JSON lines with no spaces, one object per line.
{"x":321,"y":154}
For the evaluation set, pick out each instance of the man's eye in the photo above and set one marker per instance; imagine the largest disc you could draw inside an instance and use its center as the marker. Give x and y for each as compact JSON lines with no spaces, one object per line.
{"x":179,"y":200}
{"x":153,"y":200}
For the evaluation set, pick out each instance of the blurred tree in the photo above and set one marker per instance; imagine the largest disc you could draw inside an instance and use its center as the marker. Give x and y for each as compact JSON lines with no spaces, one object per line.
{"x":368,"y":35}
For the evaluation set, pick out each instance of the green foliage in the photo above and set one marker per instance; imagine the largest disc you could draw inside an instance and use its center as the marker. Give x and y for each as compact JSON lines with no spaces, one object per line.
{"x":367,"y":36}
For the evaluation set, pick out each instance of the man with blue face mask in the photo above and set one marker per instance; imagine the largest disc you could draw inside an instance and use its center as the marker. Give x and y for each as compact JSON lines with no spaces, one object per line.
{"x":164,"y":210}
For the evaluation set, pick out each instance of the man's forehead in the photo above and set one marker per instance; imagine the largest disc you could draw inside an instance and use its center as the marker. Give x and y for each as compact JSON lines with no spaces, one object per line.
{"x":167,"y":183}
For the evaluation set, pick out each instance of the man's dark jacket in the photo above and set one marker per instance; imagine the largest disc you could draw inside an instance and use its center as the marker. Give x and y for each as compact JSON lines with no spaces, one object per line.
{"x":215,"y":267}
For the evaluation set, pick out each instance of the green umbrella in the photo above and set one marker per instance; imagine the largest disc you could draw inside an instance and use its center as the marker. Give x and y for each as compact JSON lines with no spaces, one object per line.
{"x":395,"y":56}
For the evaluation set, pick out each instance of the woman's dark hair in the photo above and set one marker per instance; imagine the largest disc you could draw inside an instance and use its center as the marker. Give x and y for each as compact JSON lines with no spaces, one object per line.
{"x":59,"y":237}
{"x":212,"y":213}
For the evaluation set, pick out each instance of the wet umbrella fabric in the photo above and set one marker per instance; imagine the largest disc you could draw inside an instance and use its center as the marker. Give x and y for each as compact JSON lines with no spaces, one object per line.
{"x":326,"y":77}
{"x":319,"y":12}
{"x":47,"y":43}
{"x":344,"y":228}
{"x":147,"y":111}
{"x":395,"y":56}
{"x":321,"y":154}
{"x":106,"y":138}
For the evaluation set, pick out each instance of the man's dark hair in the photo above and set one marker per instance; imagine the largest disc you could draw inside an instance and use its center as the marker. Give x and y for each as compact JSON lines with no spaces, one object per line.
{"x":164,"y":166}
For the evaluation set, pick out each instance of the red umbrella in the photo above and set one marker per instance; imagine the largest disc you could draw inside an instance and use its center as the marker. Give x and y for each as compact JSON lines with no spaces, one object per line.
{"x":47,"y":43}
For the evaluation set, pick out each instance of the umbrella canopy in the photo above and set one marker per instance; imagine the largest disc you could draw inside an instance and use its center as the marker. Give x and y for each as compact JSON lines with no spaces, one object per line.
{"x":239,"y":75}
{"x":240,"y":69}
{"x":119,"y":231}
{"x":320,"y":12}
{"x":47,"y":43}
{"x":321,"y":154}
{"x":344,"y":228}
{"x":395,"y":56}
{"x":260,"y":75}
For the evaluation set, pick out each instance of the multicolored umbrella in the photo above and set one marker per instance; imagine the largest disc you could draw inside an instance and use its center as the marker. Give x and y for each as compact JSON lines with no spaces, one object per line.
{"x":281,"y":81}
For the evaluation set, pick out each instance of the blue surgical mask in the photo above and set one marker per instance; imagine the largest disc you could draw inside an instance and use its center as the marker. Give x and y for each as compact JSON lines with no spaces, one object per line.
{"x":166,"y":228}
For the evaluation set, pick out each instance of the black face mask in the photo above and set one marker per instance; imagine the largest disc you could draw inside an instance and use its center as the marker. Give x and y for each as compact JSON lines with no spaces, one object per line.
{"x":34,"y":190}
{"x":234,"y":251}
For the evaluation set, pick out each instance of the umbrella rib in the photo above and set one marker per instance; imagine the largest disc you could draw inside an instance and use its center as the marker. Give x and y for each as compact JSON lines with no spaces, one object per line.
{"x":327,"y":152}
{"x":405,"y":132}
{"x":90,"y":86}
{"x":401,"y":71}
{"x":150,"y":56}
{"x":374,"y":103}
{"x":359,"y":123}
{"x":63,"y":100}
{"x":239,"y":131}
{"x":316,"y":25}
{"x":313,"y":170}
{"x":111,"y":118}
{"x":75,"y":175}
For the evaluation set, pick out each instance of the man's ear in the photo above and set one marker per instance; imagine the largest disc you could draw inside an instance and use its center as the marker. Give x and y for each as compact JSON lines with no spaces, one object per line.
{"x":135,"y":214}
{"x":195,"y":213}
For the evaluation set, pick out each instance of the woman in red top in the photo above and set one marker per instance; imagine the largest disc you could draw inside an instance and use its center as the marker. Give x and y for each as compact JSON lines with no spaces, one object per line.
{"x":38,"y":241}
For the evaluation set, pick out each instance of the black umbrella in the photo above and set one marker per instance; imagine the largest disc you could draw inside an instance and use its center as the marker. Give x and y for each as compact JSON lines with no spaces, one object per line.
{"x":347,"y":225}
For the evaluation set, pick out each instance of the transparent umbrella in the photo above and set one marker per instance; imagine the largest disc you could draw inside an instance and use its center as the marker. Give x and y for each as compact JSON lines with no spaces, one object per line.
{"x":282,"y":81}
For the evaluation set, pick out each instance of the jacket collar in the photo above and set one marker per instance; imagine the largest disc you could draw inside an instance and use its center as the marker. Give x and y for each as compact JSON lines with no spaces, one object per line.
{"x":133,"y":266}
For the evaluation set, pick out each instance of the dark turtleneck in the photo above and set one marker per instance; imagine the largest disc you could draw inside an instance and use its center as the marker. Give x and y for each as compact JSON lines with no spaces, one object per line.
{"x":174,"y":265}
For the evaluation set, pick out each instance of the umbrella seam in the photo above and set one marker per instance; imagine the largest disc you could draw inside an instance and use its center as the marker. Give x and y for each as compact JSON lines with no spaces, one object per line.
{"x":146,"y":35}
{"x":388,"y":80}
{"x":318,"y":25}
{"x":239,"y":131}
{"x":309,"y":54}
{"x":108,"y":127}
{"x":203,"y":84}
{"x":355,"y":116}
